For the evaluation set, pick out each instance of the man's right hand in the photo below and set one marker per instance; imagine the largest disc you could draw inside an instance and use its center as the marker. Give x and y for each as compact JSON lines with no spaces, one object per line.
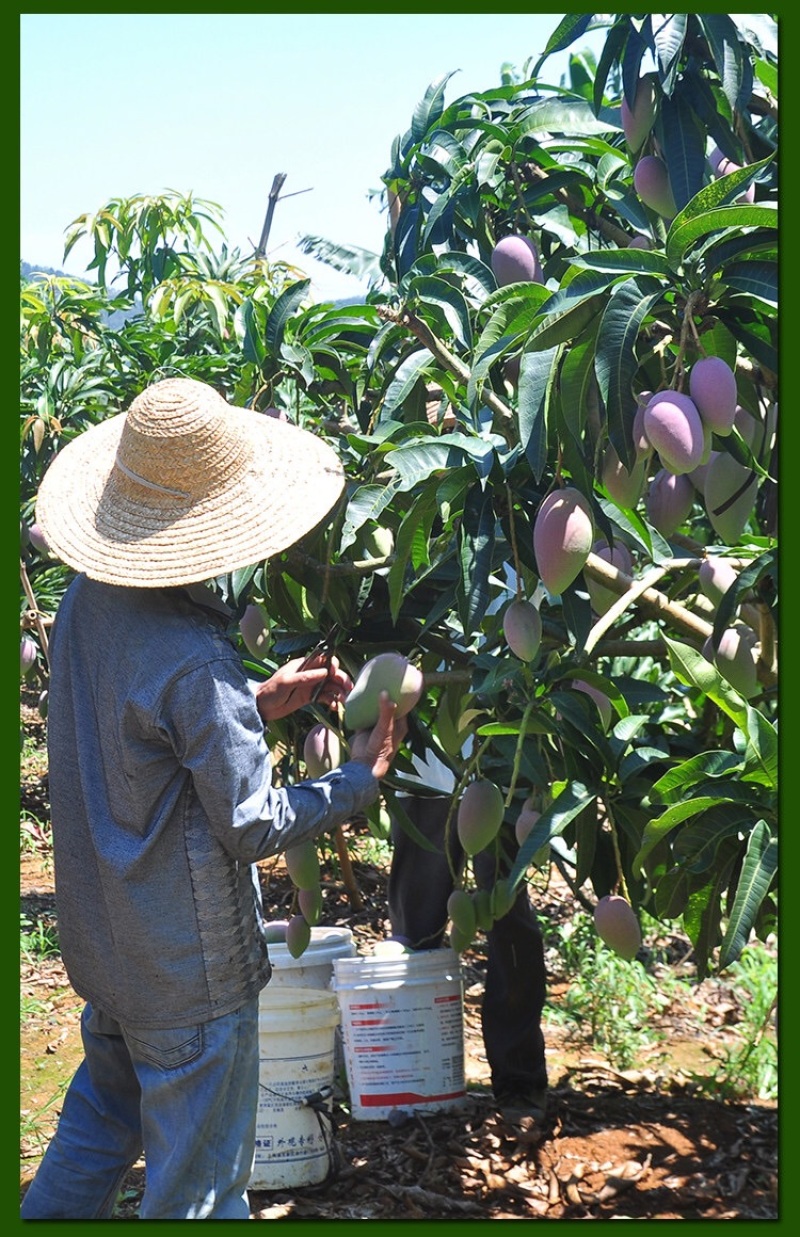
{"x":379,"y":746}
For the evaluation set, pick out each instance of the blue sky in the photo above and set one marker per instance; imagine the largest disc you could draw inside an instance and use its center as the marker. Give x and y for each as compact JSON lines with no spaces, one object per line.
{"x":114,"y":105}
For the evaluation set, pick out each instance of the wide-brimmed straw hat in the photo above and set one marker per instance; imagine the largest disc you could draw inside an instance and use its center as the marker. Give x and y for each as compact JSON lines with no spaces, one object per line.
{"x":184,"y":487}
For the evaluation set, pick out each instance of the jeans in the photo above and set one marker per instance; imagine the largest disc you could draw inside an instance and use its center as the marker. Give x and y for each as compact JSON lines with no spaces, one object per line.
{"x":420,"y":883}
{"x":186,"y":1097}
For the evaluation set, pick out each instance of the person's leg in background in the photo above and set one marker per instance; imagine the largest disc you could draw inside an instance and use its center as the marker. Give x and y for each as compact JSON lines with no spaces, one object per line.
{"x":420,"y":882}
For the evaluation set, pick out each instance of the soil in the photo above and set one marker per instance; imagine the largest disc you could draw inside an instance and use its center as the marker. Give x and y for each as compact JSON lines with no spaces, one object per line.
{"x":644,"y":1143}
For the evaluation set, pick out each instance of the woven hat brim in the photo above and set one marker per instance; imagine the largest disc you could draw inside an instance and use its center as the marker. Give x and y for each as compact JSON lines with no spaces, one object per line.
{"x":95,"y":524}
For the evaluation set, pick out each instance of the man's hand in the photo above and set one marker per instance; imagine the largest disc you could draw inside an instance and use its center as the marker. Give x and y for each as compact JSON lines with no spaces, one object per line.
{"x":300,"y":682}
{"x":379,"y":746}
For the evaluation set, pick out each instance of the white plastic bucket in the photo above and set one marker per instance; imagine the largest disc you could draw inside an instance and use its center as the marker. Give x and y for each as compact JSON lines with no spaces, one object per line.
{"x":403,"y":1031}
{"x":294,"y":1143}
{"x":314,"y":967}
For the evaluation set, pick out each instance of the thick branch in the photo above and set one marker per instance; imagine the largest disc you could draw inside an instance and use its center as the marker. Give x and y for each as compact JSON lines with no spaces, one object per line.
{"x":598,"y":223}
{"x":446,"y":358}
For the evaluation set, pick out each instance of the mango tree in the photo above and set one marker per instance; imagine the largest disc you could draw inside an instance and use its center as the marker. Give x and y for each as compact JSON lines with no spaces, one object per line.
{"x":533,"y":406}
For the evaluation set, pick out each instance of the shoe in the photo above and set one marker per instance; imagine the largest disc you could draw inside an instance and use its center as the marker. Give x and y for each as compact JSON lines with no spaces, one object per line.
{"x":527,"y":1107}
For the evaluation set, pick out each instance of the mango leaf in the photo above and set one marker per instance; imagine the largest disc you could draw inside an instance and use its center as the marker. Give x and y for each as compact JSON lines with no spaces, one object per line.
{"x":671,"y":894}
{"x":735,"y":74}
{"x":761,"y":752}
{"x":567,"y":32}
{"x":420,"y":517}
{"x":669,"y":35}
{"x":564,"y":327}
{"x":405,"y":379}
{"x":429,"y":108}
{"x":552,"y":822}
{"x":476,"y":552}
{"x":701,"y":919}
{"x":683,"y":233}
{"x":284,"y":308}
{"x":697,"y":846}
{"x":756,"y":278}
{"x":249,"y":331}
{"x":625,"y":262}
{"x":616,"y":361}
{"x":612,"y":47}
{"x":366,"y":503}
{"x":758,"y":870}
{"x":564,"y":115}
{"x":684,"y":148}
{"x":692,"y":668}
{"x":657,"y":829}
{"x":537,"y":375}
{"x":440,"y":293}
{"x":419,"y":460}
{"x":673,"y":785}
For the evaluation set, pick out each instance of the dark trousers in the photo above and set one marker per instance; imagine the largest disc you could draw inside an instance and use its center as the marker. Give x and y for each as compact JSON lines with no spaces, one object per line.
{"x":420,"y":882}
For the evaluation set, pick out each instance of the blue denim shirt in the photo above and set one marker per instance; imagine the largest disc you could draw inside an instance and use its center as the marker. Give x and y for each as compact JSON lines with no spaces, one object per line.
{"x":162,"y":799}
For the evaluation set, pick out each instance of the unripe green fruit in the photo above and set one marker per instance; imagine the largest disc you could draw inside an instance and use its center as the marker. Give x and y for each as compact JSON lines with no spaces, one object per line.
{"x":389,"y":672}
{"x":600,"y":698}
{"x":502,"y":897}
{"x":310,"y":903}
{"x":624,"y":487}
{"x":482,"y":901}
{"x":298,"y":935}
{"x":302,"y":864}
{"x":461,"y":912}
{"x":562,"y":538}
{"x":712,"y":386}
{"x":255,"y":631}
{"x":603,"y":598}
{"x":522,"y":628}
{"x":651,"y":182}
{"x":669,"y":501}
{"x":736,"y":658}
{"x":715,"y":576}
{"x":27,"y":656}
{"x":515,"y":259}
{"x":375,"y":541}
{"x":638,"y":119}
{"x":674,"y":428}
{"x":617,"y":926}
{"x":275,"y":932}
{"x":726,"y":477}
{"x":480,"y":815}
{"x":322,"y":750}
{"x":459,"y":941}
{"x":379,"y":822}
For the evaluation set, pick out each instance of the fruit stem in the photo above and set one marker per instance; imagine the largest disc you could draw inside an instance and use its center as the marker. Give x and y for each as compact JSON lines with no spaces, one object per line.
{"x":523,"y":726}
{"x":617,"y":853}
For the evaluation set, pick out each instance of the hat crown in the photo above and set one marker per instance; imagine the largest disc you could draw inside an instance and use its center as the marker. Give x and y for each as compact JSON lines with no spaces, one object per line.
{"x":180,"y":438}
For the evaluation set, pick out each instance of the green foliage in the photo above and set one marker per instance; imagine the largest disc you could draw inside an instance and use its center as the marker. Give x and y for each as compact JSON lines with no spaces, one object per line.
{"x":675,"y":804}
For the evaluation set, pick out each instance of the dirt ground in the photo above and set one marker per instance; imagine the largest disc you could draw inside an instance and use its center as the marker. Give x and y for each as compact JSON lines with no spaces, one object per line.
{"x":635,"y":1144}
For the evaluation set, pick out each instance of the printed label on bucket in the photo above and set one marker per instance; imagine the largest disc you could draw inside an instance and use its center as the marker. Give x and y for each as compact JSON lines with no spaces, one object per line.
{"x":404,"y":1049}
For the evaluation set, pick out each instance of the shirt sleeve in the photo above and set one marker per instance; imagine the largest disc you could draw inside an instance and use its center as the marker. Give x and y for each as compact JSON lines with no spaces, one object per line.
{"x":213,"y":724}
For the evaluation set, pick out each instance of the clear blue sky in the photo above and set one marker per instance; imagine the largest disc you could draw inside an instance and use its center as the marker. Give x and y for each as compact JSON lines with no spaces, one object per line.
{"x":114,"y":105}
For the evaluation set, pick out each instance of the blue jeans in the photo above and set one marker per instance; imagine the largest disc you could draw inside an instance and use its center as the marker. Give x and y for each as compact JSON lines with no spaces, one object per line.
{"x":186,"y":1097}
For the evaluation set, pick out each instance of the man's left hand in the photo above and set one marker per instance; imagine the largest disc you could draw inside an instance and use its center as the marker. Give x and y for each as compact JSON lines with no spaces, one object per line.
{"x":301,"y":682}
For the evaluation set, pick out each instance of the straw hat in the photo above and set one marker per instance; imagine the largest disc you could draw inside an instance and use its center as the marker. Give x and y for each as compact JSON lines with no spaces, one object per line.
{"x":183,"y":487}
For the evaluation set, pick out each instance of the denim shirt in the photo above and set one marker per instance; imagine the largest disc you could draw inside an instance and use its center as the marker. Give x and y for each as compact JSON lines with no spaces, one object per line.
{"x":162,"y":800}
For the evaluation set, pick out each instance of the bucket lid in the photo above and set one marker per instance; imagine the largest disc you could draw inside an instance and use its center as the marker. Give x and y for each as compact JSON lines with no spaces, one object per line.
{"x":419,"y":964}
{"x":325,"y":945}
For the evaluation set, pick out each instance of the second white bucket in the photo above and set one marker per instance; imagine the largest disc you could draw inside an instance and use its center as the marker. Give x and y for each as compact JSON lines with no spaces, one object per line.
{"x":402,"y":1023}
{"x":314,"y":967}
{"x":294,"y":1141}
